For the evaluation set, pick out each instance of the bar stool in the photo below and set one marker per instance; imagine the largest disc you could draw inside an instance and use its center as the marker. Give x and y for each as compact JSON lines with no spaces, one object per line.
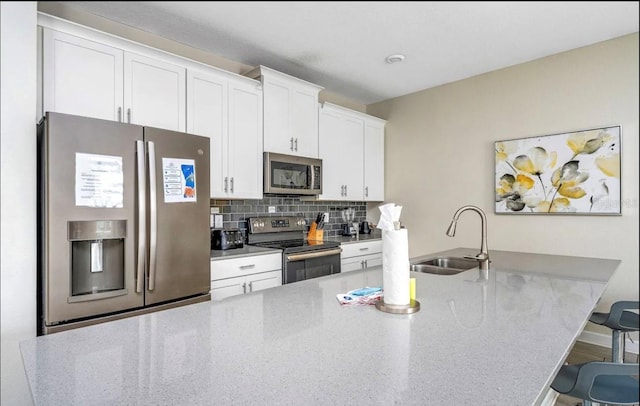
{"x":601,"y":382}
{"x":620,"y":322}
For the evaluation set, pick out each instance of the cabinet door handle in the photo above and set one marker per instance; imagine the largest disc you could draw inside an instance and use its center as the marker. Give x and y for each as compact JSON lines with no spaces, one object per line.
{"x":346,"y":192}
{"x":366,"y":265}
{"x":364,"y":249}
{"x":362,"y":264}
{"x":366,"y":191}
{"x":291,"y":141}
{"x":296,"y":144}
{"x":250,"y":286}
{"x":247,"y":266}
{"x":244,"y":287}
{"x":226,"y":184}
{"x":119,"y":114}
{"x":232,"y":184}
{"x":342,"y":190}
{"x":129,"y":115}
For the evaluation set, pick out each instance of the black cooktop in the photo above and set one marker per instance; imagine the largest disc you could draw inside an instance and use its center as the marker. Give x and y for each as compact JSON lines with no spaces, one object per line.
{"x":298,"y":245}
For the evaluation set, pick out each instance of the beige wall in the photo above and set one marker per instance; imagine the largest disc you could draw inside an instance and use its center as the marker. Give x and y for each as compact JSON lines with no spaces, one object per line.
{"x":439,"y":155}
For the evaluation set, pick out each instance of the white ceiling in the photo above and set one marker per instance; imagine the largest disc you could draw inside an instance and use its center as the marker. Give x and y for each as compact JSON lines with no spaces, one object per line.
{"x":342,"y":46}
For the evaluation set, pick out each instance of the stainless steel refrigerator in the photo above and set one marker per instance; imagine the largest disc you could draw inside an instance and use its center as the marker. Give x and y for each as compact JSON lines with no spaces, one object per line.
{"x":123,"y":220}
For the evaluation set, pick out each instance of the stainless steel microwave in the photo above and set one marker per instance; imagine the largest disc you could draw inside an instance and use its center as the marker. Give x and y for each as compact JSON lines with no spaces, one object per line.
{"x":292,"y":175}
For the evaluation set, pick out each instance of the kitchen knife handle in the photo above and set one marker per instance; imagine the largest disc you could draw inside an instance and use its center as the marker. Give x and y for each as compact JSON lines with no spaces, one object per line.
{"x":142,"y":229}
{"x":153,"y":216}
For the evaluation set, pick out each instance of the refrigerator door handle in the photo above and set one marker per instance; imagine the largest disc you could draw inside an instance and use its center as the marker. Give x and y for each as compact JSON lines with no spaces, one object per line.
{"x":153,"y":215}
{"x":142,"y":204}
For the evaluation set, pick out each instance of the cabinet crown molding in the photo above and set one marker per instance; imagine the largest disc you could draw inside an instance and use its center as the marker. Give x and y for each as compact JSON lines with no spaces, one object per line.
{"x":261,"y":70}
{"x":354,"y":113}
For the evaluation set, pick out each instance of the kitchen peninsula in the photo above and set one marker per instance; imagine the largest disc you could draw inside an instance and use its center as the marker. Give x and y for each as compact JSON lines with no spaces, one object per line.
{"x":475,"y":341}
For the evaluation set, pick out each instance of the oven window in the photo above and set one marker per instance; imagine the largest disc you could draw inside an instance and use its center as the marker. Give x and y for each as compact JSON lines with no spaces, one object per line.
{"x":295,"y":271}
{"x":289,"y":175}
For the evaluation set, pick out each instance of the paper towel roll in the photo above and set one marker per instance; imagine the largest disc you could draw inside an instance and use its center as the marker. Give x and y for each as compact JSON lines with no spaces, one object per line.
{"x":395,"y":266}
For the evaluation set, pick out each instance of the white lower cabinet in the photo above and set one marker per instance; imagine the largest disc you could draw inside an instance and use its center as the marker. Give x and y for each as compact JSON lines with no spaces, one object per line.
{"x":360,"y":255}
{"x":237,"y":276}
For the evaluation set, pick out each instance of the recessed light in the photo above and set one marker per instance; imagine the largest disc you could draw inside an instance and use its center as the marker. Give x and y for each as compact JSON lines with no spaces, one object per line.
{"x":395,"y":58}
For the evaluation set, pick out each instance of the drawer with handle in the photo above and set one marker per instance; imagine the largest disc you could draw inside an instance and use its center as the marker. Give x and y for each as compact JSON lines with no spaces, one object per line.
{"x":230,"y":268}
{"x":361,"y":248}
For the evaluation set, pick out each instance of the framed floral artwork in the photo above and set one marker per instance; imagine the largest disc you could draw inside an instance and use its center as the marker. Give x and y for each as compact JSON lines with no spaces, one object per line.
{"x":570,"y":173}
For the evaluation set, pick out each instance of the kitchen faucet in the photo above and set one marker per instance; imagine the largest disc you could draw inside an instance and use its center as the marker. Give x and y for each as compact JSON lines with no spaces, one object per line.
{"x":483,"y":256}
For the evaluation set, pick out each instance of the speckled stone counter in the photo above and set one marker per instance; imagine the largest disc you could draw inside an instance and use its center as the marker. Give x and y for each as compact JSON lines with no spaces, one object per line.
{"x":359,"y":238}
{"x":495,"y":341}
{"x":245,"y":251}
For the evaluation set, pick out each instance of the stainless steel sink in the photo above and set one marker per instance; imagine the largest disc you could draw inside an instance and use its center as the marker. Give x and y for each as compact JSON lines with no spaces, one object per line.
{"x":444,"y":265}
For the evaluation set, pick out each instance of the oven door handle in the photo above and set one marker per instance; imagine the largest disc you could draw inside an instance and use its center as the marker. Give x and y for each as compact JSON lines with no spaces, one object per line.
{"x":315,"y":254}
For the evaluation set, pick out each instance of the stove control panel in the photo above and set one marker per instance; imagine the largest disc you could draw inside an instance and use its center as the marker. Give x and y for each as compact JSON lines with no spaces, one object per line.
{"x":258,"y":225}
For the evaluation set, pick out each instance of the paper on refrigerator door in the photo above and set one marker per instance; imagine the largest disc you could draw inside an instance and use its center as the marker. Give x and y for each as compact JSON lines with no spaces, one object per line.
{"x":99,"y":181}
{"x":179,"y":180}
{"x":395,"y":267}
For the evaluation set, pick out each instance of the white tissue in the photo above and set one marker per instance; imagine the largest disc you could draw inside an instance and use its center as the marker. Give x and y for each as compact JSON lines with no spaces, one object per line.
{"x":395,"y":267}
{"x":389,"y":216}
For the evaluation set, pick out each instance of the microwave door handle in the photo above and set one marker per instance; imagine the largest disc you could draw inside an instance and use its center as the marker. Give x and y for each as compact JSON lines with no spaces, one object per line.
{"x":313,"y":177}
{"x":142,"y":229}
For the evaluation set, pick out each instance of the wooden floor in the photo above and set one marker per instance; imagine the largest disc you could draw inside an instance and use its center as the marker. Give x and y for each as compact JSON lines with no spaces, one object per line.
{"x":583,"y":352}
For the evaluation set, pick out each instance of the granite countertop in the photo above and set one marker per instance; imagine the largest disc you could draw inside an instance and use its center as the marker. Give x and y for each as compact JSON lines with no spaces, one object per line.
{"x":245,"y":251}
{"x":359,"y":238}
{"x":249,"y":250}
{"x":495,"y":341}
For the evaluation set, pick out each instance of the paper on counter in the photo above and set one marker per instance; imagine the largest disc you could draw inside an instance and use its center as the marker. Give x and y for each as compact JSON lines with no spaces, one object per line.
{"x":367,"y":296}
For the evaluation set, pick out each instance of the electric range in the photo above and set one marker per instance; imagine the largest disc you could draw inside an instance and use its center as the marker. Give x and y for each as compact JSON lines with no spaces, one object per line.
{"x":301,"y":258}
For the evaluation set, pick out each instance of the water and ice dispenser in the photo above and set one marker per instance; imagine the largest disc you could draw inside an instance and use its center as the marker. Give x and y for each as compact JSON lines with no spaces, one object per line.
{"x":97,"y":256}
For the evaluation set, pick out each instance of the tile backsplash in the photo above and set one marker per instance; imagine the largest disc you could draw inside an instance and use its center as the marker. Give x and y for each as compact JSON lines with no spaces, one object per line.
{"x":236,"y":212}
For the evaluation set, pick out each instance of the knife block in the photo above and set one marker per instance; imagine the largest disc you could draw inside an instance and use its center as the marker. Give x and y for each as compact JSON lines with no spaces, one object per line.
{"x":314,"y":233}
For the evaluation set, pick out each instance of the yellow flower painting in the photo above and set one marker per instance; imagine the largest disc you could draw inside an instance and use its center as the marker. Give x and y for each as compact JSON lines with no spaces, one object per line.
{"x":569,"y":173}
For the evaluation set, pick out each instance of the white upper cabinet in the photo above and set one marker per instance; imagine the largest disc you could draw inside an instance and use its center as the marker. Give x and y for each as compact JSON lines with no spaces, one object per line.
{"x":290,"y":113}
{"x":245,"y":140}
{"x":88,"y":78}
{"x":351,"y":146}
{"x":374,"y":159}
{"x":81,"y":77}
{"x":341,"y":145}
{"x":154,"y":92}
{"x":228,"y":110}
